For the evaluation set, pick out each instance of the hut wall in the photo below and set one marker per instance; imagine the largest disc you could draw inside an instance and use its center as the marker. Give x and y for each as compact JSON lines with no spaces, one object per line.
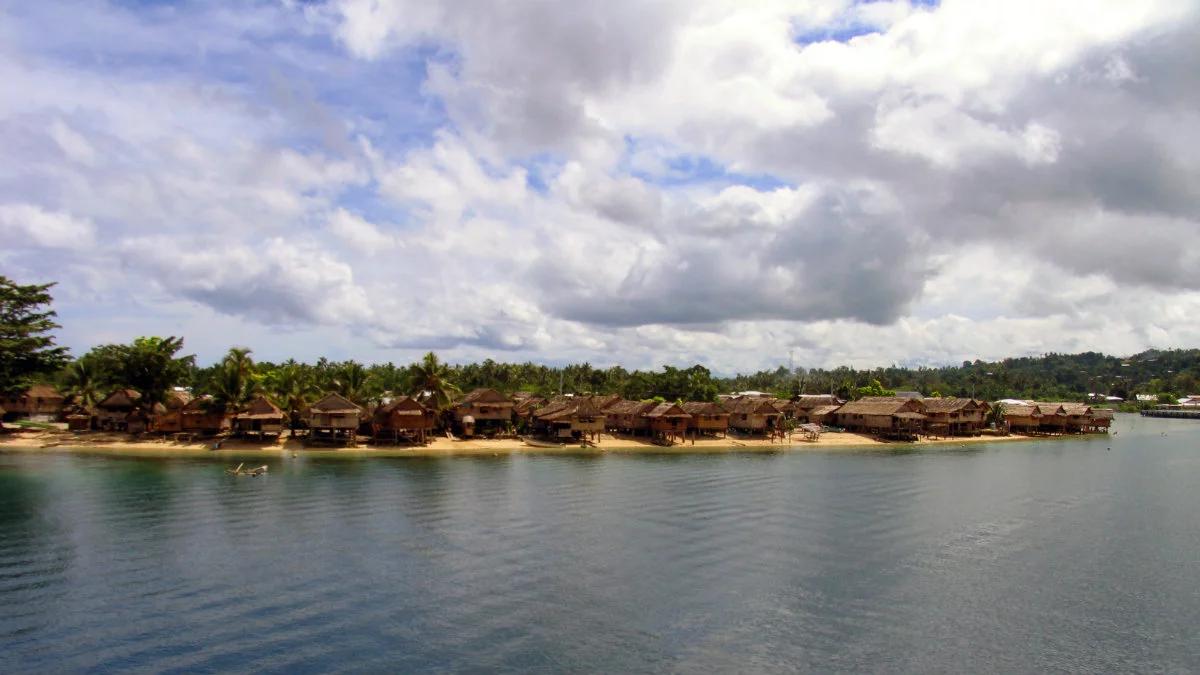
{"x":668,"y":425}
{"x":321,"y":420}
{"x":709,"y":423}
{"x":752,"y":422}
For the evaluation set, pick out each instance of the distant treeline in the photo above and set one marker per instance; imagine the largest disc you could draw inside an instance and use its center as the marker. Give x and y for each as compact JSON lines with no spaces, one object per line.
{"x":152,"y":365}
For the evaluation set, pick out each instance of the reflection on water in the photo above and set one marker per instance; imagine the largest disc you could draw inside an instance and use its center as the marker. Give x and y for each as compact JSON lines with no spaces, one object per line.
{"x":1058,"y":555}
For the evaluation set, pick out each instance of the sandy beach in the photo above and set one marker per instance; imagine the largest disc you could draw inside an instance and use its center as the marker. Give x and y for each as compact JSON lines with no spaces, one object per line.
{"x":50,"y":441}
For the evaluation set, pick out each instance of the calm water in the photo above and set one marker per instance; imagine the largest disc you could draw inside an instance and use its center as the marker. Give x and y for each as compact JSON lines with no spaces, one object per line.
{"x":1057,"y":555}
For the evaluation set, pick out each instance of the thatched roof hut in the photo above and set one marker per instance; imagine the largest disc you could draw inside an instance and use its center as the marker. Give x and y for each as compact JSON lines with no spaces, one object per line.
{"x":570,"y":418}
{"x":810,"y":401}
{"x":668,"y":420}
{"x":260,"y":417}
{"x":821,"y":414}
{"x":1053,"y":418}
{"x":753,"y":414}
{"x":200,"y":416}
{"x":400,"y":417}
{"x":41,"y":401}
{"x":952,"y":416}
{"x":626,"y":416}
{"x":334,"y":419}
{"x":706,"y":417}
{"x":885,"y":415}
{"x":485,"y":406}
{"x":111,"y":413}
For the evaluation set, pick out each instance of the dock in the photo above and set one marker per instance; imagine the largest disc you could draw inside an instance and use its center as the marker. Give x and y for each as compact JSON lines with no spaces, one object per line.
{"x":1182,"y":414}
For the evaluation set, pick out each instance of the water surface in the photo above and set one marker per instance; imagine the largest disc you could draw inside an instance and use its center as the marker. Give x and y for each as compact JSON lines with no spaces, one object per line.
{"x":1053,"y":555}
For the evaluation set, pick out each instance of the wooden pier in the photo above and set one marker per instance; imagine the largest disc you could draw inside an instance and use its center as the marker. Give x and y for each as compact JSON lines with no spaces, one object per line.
{"x":1184,"y":414}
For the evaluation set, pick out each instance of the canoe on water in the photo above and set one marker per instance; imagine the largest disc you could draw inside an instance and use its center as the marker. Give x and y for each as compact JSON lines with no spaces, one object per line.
{"x":239,"y":471}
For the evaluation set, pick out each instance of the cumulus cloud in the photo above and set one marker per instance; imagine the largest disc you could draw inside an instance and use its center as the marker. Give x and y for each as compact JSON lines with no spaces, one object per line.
{"x":611,"y":181}
{"x":28,"y":223}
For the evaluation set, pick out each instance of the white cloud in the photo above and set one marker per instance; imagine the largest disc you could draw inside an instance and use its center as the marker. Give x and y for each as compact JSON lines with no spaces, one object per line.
{"x":21,"y":223}
{"x":614,"y":181}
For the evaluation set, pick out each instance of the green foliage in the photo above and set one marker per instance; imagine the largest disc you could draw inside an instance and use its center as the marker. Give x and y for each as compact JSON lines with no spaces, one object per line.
{"x":431,"y":381}
{"x":995,"y":415}
{"x":873,"y":389}
{"x":149,"y":365}
{"x":235,"y":381}
{"x":27,"y":350}
{"x":81,"y":381}
{"x":1168,"y":398}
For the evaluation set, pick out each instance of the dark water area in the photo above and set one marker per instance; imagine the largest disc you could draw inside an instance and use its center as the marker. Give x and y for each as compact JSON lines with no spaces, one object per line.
{"x":1067,"y":555}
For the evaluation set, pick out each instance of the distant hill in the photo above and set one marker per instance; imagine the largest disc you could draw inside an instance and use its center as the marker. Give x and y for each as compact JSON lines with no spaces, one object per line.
{"x":1052,"y":376}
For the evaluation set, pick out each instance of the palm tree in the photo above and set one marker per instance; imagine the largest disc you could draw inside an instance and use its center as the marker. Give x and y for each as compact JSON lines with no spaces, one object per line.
{"x":429,"y":382}
{"x":352,"y":381}
{"x":80,"y":382}
{"x":235,"y":382}
{"x":995,"y":416}
{"x":231,"y":388}
{"x":293,"y":389}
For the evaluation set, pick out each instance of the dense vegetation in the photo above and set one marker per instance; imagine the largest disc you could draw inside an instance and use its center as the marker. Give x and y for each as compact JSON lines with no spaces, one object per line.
{"x":153,"y":365}
{"x":27,"y":350}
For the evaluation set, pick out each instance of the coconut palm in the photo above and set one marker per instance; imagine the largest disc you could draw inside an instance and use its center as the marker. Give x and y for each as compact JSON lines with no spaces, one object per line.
{"x":429,"y":381}
{"x":353,"y":381}
{"x":995,"y":415}
{"x":293,"y":388}
{"x":231,"y":389}
{"x":81,"y":382}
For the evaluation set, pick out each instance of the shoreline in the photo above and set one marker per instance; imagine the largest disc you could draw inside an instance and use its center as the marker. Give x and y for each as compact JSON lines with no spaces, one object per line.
{"x":115,"y":444}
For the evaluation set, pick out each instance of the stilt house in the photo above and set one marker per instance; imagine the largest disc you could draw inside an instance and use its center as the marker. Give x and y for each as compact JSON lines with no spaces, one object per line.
{"x":261,"y":418}
{"x":402,"y":418}
{"x":333,"y":419}
{"x":707,"y":418}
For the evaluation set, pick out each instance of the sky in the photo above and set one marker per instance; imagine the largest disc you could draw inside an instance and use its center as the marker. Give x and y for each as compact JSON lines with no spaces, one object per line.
{"x":739,"y":185}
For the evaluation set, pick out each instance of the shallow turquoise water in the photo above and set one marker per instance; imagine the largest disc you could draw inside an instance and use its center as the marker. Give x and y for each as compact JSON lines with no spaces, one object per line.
{"x":1054,"y":555}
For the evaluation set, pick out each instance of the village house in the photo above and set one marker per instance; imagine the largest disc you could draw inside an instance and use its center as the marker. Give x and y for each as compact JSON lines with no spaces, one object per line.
{"x":753,"y":415}
{"x":169,"y":419}
{"x":39,"y":403}
{"x":807,"y":402}
{"x":570,"y":419}
{"x":822,"y":414}
{"x":199,"y":417}
{"x":1078,"y":417}
{"x":1053,"y":418}
{"x":1023,"y":418}
{"x":887,"y":416}
{"x":333,"y":419}
{"x":1101,"y":420}
{"x":112,"y":412}
{"x":950,"y":416}
{"x":79,"y":418}
{"x":707,"y":418}
{"x":668,"y":421}
{"x":261,"y":418}
{"x":484,"y":412}
{"x":626,"y":417}
{"x":402,"y":418}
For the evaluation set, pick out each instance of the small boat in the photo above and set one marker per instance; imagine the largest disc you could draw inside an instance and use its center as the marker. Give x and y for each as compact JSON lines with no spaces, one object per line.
{"x":239,"y":471}
{"x":538,"y":443}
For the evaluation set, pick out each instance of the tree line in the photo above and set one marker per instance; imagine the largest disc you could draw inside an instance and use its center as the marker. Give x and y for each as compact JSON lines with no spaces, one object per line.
{"x":154,"y":365}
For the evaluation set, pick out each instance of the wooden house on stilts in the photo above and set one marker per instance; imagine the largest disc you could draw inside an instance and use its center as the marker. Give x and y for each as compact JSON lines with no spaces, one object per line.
{"x":261,"y":418}
{"x":402,"y":419}
{"x":333,"y":420}
{"x":668,"y":422}
{"x":707,"y":418}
